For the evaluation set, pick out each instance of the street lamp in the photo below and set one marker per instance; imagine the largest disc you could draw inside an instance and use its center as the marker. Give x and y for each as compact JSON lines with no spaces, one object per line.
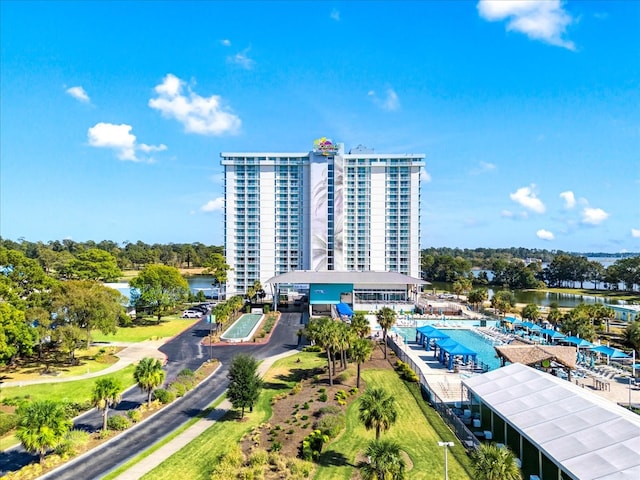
{"x":446,"y":446}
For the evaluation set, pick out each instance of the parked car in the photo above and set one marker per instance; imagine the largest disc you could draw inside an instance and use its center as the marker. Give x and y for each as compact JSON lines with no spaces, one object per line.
{"x":191,"y":314}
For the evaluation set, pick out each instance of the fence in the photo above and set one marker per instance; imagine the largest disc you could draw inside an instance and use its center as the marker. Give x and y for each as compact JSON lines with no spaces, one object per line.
{"x":456,"y":425}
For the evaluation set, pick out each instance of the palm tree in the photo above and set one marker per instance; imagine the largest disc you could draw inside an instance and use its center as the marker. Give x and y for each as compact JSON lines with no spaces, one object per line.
{"x":491,"y":462}
{"x":106,"y":393}
{"x":361,"y":352}
{"x":377,"y":410}
{"x":43,"y":425}
{"x":149,"y":375}
{"x":324,"y":332}
{"x":386,"y":319}
{"x":385,"y":461}
{"x":360,"y":325}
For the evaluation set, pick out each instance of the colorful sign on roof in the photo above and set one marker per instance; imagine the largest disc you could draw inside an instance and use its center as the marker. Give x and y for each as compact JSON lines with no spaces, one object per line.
{"x":325,"y":146}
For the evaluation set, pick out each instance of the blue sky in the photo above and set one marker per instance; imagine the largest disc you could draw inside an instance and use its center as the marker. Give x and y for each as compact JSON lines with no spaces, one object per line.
{"x":113,"y":115}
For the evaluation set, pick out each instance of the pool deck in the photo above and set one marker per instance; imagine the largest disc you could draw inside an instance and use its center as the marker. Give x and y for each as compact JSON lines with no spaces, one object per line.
{"x":448,"y":385}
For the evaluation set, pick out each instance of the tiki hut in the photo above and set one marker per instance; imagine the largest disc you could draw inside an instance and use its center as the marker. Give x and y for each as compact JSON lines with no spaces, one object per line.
{"x":539,"y":356}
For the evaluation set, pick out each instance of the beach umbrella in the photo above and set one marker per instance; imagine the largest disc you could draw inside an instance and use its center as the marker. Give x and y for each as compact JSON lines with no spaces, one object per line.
{"x":610,"y":352}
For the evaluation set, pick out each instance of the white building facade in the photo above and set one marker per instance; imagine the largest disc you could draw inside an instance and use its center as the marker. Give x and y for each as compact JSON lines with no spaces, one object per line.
{"x":321,"y":210}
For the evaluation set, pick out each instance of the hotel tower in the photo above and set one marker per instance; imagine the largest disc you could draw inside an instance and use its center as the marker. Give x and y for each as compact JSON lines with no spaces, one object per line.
{"x":320,"y":210}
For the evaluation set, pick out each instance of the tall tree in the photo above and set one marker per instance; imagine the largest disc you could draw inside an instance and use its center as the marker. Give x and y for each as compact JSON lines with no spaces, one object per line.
{"x":17,"y":337}
{"x":377,"y":410}
{"x":149,"y":375}
{"x":530,"y":312}
{"x":361,"y":351}
{"x":360,"y":325}
{"x":107,"y":392}
{"x":88,"y":305}
{"x":386,"y":319}
{"x":491,"y":462}
{"x":216,"y":265}
{"x":95,"y":264}
{"x":385,"y":461}
{"x":43,"y":425}
{"x":159,"y":288}
{"x":632,"y":334}
{"x":246,"y":383}
{"x":503,"y":301}
{"x":477,"y":297}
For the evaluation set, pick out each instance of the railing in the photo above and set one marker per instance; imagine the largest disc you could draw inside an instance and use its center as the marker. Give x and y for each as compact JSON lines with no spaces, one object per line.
{"x":449,"y":417}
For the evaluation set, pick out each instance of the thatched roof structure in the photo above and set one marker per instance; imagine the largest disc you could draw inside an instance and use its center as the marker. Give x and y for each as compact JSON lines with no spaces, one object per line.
{"x":535,"y":354}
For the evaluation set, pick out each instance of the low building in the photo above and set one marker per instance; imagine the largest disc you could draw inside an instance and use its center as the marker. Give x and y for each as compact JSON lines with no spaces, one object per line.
{"x":557,"y":429}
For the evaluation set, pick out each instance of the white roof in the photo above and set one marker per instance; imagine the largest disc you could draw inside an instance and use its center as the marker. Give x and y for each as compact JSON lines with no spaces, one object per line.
{"x":588,"y":436}
{"x":333,"y":276}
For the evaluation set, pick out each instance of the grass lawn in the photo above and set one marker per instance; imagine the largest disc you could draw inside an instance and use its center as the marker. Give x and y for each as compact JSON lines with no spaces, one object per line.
{"x":412,"y":431}
{"x":196,"y":460}
{"x":78,"y":391}
{"x":169,"y":327}
{"x":617,"y":295}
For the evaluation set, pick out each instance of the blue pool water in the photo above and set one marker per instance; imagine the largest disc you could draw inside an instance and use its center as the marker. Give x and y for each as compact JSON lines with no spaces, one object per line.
{"x":468,"y":338}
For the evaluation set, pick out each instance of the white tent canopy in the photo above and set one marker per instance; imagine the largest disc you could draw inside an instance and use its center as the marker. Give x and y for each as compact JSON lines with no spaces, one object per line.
{"x":587,"y":436}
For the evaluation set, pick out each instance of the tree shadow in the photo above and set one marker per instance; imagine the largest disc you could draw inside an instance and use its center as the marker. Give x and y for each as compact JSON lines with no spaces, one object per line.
{"x":298,"y":374}
{"x":275,"y":386}
{"x":331,"y":458}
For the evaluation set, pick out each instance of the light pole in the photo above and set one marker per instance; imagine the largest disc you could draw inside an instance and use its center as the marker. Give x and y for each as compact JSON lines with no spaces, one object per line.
{"x":446,"y":446}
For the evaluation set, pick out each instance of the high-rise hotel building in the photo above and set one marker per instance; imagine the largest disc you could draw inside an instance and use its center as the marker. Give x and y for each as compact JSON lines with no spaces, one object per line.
{"x":320,"y":210}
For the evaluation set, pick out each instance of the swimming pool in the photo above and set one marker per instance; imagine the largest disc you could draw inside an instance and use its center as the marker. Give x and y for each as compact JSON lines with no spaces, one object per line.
{"x":468,"y":338}
{"x":242,"y":329}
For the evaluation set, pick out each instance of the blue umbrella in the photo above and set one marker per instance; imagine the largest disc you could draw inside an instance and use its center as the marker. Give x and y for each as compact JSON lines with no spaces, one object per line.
{"x":610,"y":351}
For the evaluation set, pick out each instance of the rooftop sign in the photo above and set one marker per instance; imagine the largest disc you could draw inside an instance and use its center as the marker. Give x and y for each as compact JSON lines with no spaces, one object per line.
{"x":325,"y":146}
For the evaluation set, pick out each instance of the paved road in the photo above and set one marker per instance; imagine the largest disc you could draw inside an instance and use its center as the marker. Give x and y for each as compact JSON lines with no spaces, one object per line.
{"x":184,"y":351}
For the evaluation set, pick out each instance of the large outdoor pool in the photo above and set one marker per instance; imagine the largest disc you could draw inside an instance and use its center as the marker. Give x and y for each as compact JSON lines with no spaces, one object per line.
{"x":242,"y":329}
{"x":468,"y":338}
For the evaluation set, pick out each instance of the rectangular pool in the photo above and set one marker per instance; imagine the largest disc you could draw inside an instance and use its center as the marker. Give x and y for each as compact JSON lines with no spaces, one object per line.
{"x":242,"y":329}
{"x":468,"y":338}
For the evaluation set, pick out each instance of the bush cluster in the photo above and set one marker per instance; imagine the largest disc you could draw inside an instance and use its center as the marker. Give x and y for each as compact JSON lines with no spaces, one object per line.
{"x":405,"y":372}
{"x":312,"y":445}
{"x":118,"y":422}
{"x":8,"y":421}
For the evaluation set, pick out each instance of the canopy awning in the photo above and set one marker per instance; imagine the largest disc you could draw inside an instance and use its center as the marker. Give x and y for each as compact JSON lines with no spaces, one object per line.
{"x":578,"y":342}
{"x":552,"y":333}
{"x":610,"y":351}
{"x":344,"y":309}
{"x":531,"y":326}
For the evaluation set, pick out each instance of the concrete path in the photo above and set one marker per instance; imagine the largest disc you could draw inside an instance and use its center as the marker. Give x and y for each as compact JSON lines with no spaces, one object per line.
{"x":148,"y":463}
{"x":132,"y":353}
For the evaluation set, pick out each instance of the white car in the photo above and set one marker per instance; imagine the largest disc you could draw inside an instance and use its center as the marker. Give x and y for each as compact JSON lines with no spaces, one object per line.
{"x":191,"y":314}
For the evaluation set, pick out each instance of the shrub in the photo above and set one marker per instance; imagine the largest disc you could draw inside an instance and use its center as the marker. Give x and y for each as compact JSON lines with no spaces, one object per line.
{"x":353,"y":391}
{"x":163,"y":396}
{"x":312,"y":348}
{"x":258,"y":457}
{"x":331,"y":424}
{"x":276,"y":446}
{"x":297,"y":388}
{"x":134,"y":415}
{"x":118,"y":422}
{"x":340,"y":395}
{"x":73,"y":442}
{"x":312,"y":445}
{"x":305,"y":406}
{"x":299,"y":468}
{"x":304,"y":417}
{"x":330,"y":410}
{"x":344,"y":376}
{"x":266,"y":309}
{"x":322,"y":397}
{"x":8,"y":421}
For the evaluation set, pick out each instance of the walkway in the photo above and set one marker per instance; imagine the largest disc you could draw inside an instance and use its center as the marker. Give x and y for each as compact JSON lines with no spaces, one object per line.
{"x":132,"y":353}
{"x":150,"y":462}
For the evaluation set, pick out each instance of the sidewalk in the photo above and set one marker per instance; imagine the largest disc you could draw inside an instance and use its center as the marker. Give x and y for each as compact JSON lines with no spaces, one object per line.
{"x":148,"y":463}
{"x":132,"y":353}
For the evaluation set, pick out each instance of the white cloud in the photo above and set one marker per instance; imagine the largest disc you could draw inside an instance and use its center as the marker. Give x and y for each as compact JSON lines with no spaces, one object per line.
{"x":120,"y":139}
{"x":483,"y":167}
{"x":544,"y":20}
{"x":204,"y":116}
{"x":242,"y":59}
{"x":635,"y":232}
{"x":506,"y":214}
{"x":526,"y":197}
{"x":544,"y":234}
{"x":78,"y":93}
{"x":425,"y":177}
{"x":569,"y":199}
{"x":390,"y":102}
{"x":335,"y":15}
{"x":216,"y":205}
{"x":594,"y":216}
{"x":226,"y":42}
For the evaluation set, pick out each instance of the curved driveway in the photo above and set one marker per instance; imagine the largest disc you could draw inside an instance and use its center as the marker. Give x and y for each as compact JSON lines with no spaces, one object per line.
{"x":184,"y":351}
